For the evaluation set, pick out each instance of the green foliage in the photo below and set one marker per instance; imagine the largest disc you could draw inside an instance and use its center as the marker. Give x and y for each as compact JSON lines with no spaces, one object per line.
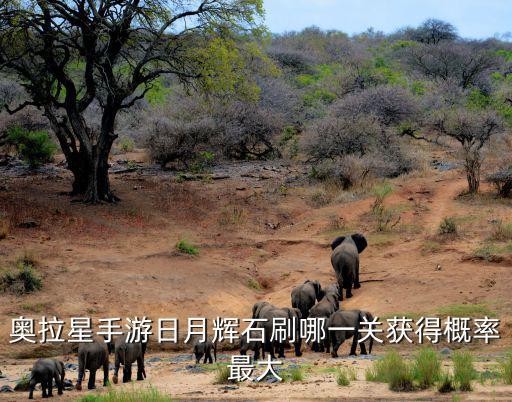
{"x":418,"y":88}
{"x":384,"y":216}
{"x":447,"y":226}
{"x":394,"y":370}
{"x":478,"y":100}
{"x":445,"y":383}
{"x":253,"y":284}
{"x":127,"y":144}
{"x":319,"y":95}
{"x":426,"y":367}
{"x":463,"y":370}
{"x":222,"y":375}
{"x":150,"y":394}
{"x":22,"y":279}
{"x":157,"y":95}
{"x":502,"y":231}
{"x":296,"y":374}
{"x":183,"y":246}
{"x":344,"y":375}
{"x":506,"y":369}
{"x":34,"y":147}
{"x":466,"y":310}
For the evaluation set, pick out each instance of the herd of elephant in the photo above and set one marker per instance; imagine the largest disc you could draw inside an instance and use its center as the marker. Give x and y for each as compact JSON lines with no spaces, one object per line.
{"x":92,"y":356}
{"x":308,"y":300}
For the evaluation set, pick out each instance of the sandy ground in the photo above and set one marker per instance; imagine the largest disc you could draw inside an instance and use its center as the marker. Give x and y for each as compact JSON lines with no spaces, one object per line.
{"x":259,"y":224}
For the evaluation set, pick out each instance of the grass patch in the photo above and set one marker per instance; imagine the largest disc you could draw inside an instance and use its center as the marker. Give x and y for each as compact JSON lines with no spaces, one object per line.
{"x":506,"y":369}
{"x":232,"y":216}
{"x":253,"y":284}
{"x":445,"y":383}
{"x":185,"y":247}
{"x":394,"y":370}
{"x":448,"y":226}
{"x":345,"y":375}
{"x":430,"y":247}
{"x":127,"y":144}
{"x":34,"y":308}
{"x":132,"y":395}
{"x":466,"y":310}
{"x":222,"y":374}
{"x":490,"y":251}
{"x":426,"y":367}
{"x":296,"y":374}
{"x":463,"y":370}
{"x":501,"y":231}
{"x":23,"y":278}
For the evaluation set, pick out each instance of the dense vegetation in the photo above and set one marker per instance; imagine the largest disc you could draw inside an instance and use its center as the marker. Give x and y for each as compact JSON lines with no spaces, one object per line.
{"x":355,"y":106}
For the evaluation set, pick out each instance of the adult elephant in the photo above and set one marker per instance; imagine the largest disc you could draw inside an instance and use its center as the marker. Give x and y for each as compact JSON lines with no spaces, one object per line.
{"x":271,"y":315}
{"x":345,"y":261}
{"x":306,"y":295}
{"x":44,"y":372}
{"x":349,"y":319}
{"x":92,"y":356}
{"x":323,"y":310}
{"x":127,"y":353}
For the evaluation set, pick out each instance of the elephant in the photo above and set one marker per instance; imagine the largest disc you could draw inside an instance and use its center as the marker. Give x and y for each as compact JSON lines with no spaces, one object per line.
{"x":324,"y":309}
{"x":345,"y":261}
{"x":205,"y":349}
{"x":255,"y":346}
{"x":126,"y":353}
{"x":270,"y":313}
{"x":349,"y":319}
{"x":92,"y":356}
{"x":260,"y":309}
{"x":44,"y":371}
{"x":306,"y":295}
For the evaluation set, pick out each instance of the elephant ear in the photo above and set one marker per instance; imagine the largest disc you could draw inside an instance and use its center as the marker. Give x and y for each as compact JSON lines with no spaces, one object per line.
{"x":360,"y":242}
{"x":336,"y":242}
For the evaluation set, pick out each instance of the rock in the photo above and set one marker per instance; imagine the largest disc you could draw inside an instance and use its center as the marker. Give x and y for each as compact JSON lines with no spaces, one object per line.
{"x":5,"y":389}
{"x":28,"y":224}
{"x":446,"y":351}
{"x":22,"y":384}
{"x":154,"y":359}
{"x":439,"y":267}
{"x":228,"y":388}
{"x":68,"y":384}
{"x":71,"y":366}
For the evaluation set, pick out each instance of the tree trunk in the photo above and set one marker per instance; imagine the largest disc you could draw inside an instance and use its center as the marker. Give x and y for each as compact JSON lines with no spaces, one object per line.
{"x":473,"y":173}
{"x":98,"y":183}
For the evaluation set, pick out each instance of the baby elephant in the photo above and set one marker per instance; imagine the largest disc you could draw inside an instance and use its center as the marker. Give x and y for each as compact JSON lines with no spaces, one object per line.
{"x":255,"y":346}
{"x":205,"y":349}
{"x":44,"y":372}
{"x":127,"y":353}
{"x":348,"y":319}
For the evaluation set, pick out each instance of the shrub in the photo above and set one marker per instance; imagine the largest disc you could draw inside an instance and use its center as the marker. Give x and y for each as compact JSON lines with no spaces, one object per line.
{"x":345,"y":375}
{"x":506,"y":369}
{"x":447,"y":226}
{"x":253,"y":284}
{"x":385,"y":217}
{"x":463,"y":370}
{"x":127,"y":395}
{"x":34,"y":147}
{"x":183,"y":246}
{"x":22,"y":279}
{"x":427,"y":368}
{"x":445,"y":383}
{"x":127,"y":144}
{"x":502,"y":231}
{"x":222,"y":375}
{"x":393,"y":370}
{"x":296,"y":374}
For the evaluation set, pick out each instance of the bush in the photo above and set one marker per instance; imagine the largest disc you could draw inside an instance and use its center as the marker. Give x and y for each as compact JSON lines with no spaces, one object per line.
{"x":222,"y":375}
{"x":502,"y":231}
{"x":184,"y":246}
{"x":345,"y":375}
{"x":23,"y":279}
{"x":127,"y":144}
{"x":133,"y":395}
{"x":296,"y":374}
{"x":447,"y":226}
{"x":445,"y":383}
{"x":427,"y":368}
{"x":393,"y":370}
{"x":463,"y":370}
{"x":34,"y":147}
{"x":506,"y":369}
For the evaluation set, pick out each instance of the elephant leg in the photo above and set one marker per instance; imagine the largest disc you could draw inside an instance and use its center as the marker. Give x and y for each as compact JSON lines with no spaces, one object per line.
{"x":297,"y":346}
{"x":314,"y":347}
{"x":105,"y":373}
{"x":335,"y":346}
{"x":59,"y":384}
{"x":327,"y":344}
{"x":256,"y":353}
{"x":127,"y":372}
{"x":362,"y":346}
{"x":117,"y":364}
{"x":31,"y":389}
{"x":44,"y":386}
{"x":140,"y":368}
{"x":50,"y":387}
{"x":81,"y":374}
{"x":280,"y":349}
{"x":353,"y":348}
{"x":349,"y":288}
{"x":210,"y":358}
{"x":357,"y":284}
{"x":92,"y":379}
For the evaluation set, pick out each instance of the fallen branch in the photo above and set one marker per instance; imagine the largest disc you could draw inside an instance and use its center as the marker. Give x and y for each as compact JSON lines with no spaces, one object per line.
{"x":372,"y":280}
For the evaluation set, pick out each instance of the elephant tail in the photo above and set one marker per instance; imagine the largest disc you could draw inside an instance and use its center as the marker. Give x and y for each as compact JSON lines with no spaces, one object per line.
{"x":215,"y":351}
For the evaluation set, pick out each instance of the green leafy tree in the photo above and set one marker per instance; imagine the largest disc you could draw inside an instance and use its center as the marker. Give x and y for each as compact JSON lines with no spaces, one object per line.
{"x":77,"y":56}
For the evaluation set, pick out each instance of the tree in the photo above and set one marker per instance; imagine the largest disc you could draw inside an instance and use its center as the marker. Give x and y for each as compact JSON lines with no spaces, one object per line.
{"x":433,"y":31}
{"x":72,"y":56}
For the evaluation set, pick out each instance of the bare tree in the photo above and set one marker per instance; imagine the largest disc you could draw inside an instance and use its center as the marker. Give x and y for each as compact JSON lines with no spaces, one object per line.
{"x":433,"y":31}
{"x":71,"y":54}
